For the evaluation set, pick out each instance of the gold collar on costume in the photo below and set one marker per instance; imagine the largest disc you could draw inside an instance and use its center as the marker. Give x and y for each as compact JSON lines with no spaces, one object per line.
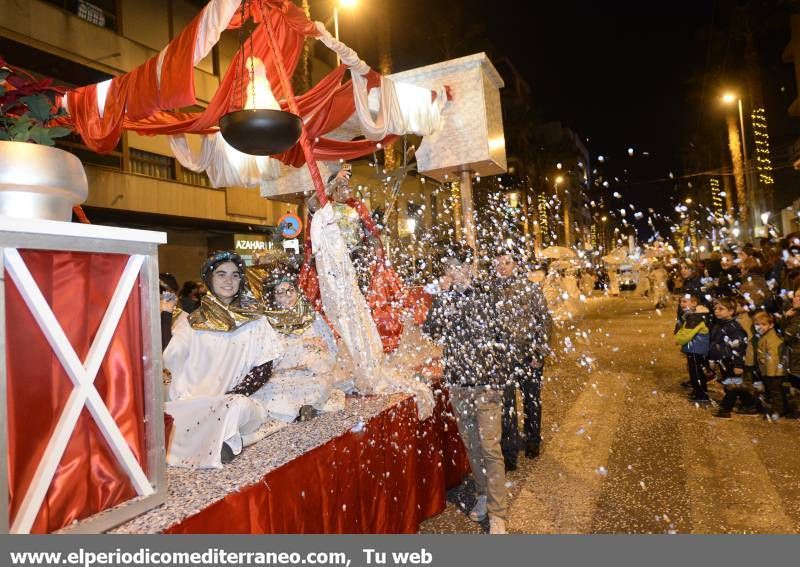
{"x":213,"y":315}
{"x":293,"y":321}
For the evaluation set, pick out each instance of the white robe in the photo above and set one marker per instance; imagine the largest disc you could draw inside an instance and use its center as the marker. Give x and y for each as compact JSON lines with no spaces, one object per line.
{"x":660,"y":291}
{"x":204,"y":365}
{"x":348,"y":312}
{"x":570,"y":284}
{"x":587,"y":284}
{"x":302,"y":376}
{"x":613,"y":282}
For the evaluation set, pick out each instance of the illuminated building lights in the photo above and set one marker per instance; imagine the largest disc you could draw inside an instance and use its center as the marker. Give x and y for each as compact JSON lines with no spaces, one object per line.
{"x":763,"y":162}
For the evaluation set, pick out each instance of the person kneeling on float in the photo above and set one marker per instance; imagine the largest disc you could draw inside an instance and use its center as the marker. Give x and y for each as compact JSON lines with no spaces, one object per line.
{"x":301,"y":386}
{"x":218,"y":357}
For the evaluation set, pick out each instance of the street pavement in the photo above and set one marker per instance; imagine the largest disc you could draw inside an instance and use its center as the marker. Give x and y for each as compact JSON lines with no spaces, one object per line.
{"x":625,"y":451}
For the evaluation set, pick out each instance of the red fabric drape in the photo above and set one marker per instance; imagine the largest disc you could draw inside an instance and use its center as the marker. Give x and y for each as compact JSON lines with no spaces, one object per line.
{"x":385,"y":479}
{"x":323,"y":108}
{"x":386,"y":294}
{"x":78,"y":287}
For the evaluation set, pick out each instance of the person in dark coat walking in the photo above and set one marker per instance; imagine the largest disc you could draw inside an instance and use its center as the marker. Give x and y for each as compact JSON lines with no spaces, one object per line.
{"x":526,"y":324}
{"x":465,"y":320}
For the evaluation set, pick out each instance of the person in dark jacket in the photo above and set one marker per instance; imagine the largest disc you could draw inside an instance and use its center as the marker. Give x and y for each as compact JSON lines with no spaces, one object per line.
{"x":789,"y":325}
{"x":465,"y":320}
{"x":168,"y":290}
{"x":726,"y":356}
{"x":526,"y":335}
{"x":729,"y":276}
{"x":190,"y":296}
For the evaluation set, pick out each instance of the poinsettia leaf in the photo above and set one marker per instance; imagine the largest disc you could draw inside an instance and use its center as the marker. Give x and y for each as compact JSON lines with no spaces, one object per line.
{"x":39,"y":106}
{"x":4,"y":136}
{"x":4,"y":73}
{"x":23,"y":121}
{"x":41,"y":136}
{"x":59,"y":131}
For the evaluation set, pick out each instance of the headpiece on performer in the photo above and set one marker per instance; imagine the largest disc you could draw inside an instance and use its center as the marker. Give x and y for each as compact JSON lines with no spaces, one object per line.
{"x":213,"y":314}
{"x":285,"y":269}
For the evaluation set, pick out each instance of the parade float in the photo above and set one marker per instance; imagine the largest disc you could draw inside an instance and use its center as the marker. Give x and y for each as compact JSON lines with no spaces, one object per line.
{"x":81,"y":301}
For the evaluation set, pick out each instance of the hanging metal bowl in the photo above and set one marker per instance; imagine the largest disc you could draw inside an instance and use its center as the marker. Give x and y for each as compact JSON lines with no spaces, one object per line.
{"x":261,"y":132}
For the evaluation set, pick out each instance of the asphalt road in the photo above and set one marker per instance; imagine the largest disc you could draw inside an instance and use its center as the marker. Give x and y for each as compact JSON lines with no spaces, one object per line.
{"x":626,"y":452}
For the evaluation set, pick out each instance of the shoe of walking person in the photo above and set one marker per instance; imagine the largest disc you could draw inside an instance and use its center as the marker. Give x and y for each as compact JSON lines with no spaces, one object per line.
{"x":532,"y":450}
{"x":722,"y":413}
{"x":699,"y":399}
{"x":510,"y":467}
{"x":497,"y":525}
{"x":478,"y":512}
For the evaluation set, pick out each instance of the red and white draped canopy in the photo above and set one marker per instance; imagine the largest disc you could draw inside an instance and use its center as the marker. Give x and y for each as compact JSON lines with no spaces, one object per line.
{"x":147,"y":99}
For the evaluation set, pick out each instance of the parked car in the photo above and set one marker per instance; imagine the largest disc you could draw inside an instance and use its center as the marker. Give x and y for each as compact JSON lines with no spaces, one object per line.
{"x":627,"y":279}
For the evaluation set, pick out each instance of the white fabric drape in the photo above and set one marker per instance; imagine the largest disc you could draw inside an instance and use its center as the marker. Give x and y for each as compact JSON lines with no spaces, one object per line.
{"x":224,"y":165}
{"x":401,"y":108}
{"x":348,"y":312}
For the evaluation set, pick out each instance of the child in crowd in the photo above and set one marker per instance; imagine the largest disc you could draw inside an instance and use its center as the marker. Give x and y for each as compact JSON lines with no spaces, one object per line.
{"x":790,"y":328}
{"x":768,"y":350}
{"x":728,"y":343}
{"x":750,"y":371}
{"x":693,"y":337}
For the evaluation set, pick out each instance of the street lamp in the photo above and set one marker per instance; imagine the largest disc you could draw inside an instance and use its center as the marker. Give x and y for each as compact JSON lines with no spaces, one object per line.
{"x":603,"y":219}
{"x":340,"y":4}
{"x":565,"y":205}
{"x":728,"y":99}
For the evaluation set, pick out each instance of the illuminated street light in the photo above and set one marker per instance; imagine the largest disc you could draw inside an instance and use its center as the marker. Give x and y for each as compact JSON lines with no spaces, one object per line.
{"x":729,"y":98}
{"x":688,"y":200}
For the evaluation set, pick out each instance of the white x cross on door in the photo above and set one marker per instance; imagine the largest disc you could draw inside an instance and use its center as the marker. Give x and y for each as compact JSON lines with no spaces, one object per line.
{"x":82,"y":376}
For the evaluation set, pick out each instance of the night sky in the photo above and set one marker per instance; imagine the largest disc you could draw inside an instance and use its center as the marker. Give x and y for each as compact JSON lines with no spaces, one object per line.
{"x":624,"y":75}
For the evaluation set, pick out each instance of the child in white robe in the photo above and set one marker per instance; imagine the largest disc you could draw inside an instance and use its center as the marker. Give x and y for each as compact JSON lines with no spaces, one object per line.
{"x":218,"y":357}
{"x":302,"y":376}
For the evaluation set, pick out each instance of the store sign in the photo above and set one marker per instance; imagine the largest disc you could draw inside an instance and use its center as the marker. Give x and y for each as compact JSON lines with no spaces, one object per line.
{"x":249,"y":245}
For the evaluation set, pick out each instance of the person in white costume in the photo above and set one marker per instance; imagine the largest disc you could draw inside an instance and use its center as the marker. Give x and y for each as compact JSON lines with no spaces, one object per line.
{"x":613,"y":281}
{"x":301,"y":382}
{"x":218,"y":357}
{"x":587,"y":282}
{"x":659,"y":290}
{"x":346,"y":309}
{"x":569,"y":284}
{"x":642,"y":282}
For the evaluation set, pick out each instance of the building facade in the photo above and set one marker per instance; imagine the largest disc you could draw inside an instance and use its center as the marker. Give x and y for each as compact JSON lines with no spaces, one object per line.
{"x":140,"y":184}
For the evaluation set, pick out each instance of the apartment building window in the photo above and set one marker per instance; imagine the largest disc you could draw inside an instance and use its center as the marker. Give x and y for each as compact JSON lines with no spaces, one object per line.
{"x":102,"y":13}
{"x":152,"y":165}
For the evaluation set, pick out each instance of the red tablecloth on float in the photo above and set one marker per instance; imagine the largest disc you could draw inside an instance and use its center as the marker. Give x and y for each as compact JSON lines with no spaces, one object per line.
{"x":385,"y":478}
